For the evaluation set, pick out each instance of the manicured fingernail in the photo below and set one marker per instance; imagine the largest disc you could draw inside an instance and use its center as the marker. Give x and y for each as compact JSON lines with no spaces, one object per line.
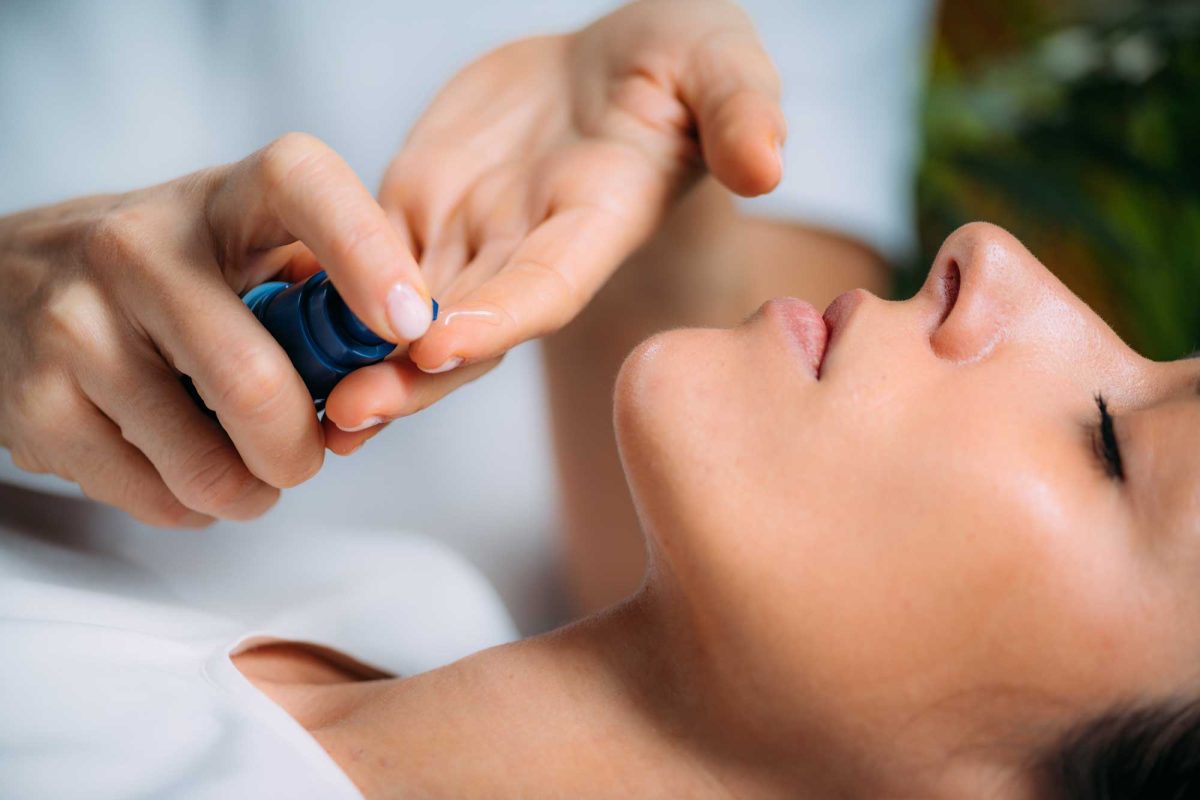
{"x":445,"y":366}
{"x":369,"y":422}
{"x":409,"y":314}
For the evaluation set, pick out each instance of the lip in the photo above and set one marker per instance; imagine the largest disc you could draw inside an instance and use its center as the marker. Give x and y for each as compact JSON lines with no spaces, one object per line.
{"x":804,"y":327}
{"x":838,"y":313}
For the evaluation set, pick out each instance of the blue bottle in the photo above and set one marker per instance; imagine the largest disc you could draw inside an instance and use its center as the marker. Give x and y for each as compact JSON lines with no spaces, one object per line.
{"x":318,"y":331}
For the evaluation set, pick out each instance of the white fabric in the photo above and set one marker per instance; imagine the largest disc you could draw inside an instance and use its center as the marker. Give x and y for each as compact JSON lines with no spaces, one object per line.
{"x":116,"y":95}
{"x":115,"y":678}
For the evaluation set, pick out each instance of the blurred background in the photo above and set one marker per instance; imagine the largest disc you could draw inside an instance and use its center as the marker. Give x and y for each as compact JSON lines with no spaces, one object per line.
{"x":1076,"y":125}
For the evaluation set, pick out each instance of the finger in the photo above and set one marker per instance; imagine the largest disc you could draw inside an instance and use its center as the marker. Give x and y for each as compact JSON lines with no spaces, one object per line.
{"x":374,"y":395}
{"x":499,"y":215}
{"x":486,"y":264}
{"x":445,"y":258}
{"x":194,"y":458}
{"x":298,"y":188}
{"x":732,"y":89}
{"x":545,"y":283}
{"x":345,"y":443}
{"x":403,"y":229}
{"x":112,"y":471}
{"x":242,"y":374}
{"x":422,"y":188}
{"x":444,"y":157}
{"x":299,"y":264}
{"x":479,"y":238}
{"x":502,"y":206}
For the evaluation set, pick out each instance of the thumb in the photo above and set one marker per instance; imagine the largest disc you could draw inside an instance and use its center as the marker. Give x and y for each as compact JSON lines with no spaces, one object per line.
{"x":732,"y":90}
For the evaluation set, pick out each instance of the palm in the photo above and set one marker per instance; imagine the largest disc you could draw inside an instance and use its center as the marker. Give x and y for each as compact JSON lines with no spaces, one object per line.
{"x":540,"y":168}
{"x":537,"y":192}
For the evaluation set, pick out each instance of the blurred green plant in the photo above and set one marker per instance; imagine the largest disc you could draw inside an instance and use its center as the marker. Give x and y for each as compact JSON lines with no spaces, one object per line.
{"x":1085,"y":143}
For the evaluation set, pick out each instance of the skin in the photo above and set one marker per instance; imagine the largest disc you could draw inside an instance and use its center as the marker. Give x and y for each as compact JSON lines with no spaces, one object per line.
{"x":542,"y":167}
{"x":902,"y":579}
{"x":108,"y":299}
{"x":603,"y":549}
{"x":537,"y":170}
{"x":534,"y":174}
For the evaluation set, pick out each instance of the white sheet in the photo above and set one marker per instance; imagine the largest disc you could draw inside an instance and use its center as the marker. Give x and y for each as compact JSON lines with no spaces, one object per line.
{"x":115,"y":678}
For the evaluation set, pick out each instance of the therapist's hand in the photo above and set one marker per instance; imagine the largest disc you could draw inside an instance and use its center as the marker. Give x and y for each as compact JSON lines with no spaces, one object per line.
{"x":105,"y":301}
{"x":540,"y":168}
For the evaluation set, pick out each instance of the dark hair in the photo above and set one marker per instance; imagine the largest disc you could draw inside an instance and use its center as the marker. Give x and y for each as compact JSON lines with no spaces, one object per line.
{"x":1147,"y":753}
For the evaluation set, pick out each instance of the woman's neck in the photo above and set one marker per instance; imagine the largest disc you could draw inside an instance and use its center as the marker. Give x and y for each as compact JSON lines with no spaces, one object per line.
{"x":597,"y":709}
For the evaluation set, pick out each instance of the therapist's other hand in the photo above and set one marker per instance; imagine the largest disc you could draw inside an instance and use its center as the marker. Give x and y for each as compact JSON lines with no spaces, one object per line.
{"x":541,"y":167}
{"x":105,"y":301}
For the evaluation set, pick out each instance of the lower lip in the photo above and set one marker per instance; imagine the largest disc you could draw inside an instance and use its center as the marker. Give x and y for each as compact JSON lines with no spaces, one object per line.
{"x":804,"y":327}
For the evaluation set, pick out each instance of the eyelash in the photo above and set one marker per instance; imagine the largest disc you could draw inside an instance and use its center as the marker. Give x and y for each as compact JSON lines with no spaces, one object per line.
{"x":1104,"y":441}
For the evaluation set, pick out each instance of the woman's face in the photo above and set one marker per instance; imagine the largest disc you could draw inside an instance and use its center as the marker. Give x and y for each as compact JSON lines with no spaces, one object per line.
{"x":906,"y":510}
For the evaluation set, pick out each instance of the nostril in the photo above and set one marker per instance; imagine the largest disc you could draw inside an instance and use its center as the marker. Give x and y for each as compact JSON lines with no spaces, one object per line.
{"x":949,"y":284}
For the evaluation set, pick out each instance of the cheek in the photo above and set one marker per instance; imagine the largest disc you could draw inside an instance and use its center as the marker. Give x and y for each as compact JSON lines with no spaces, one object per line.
{"x":697,"y":419}
{"x":933,"y":554}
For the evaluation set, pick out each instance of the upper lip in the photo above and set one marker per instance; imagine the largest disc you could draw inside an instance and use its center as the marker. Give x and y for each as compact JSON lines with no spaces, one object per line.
{"x":804,"y":326}
{"x":837,"y":314}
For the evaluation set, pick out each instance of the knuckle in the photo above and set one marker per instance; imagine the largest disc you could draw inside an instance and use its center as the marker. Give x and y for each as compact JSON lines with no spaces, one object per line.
{"x":25,"y":460}
{"x":148,"y":501}
{"x":252,"y":381}
{"x":280,"y":160}
{"x":215,"y":481}
{"x":77,"y":319}
{"x":558,"y":299}
{"x":43,"y":406}
{"x":117,"y":238}
{"x":164,"y":510}
{"x":359,"y":238}
{"x":157,"y":516}
{"x":300,"y":469}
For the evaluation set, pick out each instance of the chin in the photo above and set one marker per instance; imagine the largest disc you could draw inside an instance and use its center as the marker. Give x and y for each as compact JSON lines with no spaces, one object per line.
{"x":673,"y":404}
{"x":638,"y":394}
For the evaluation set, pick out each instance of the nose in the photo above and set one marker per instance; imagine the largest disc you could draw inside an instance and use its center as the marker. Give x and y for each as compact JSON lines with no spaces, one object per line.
{"x":986,"y":286}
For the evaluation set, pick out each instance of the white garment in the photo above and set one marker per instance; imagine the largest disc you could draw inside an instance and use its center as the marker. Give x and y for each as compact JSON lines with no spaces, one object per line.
{"x":115,"y":678}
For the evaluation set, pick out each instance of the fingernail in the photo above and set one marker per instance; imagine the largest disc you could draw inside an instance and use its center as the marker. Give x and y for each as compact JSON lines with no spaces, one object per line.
{"x":369,"y":422}
{"x":407,"y":312}
{"x":446,"y":366}
{"x":779,"y":155}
